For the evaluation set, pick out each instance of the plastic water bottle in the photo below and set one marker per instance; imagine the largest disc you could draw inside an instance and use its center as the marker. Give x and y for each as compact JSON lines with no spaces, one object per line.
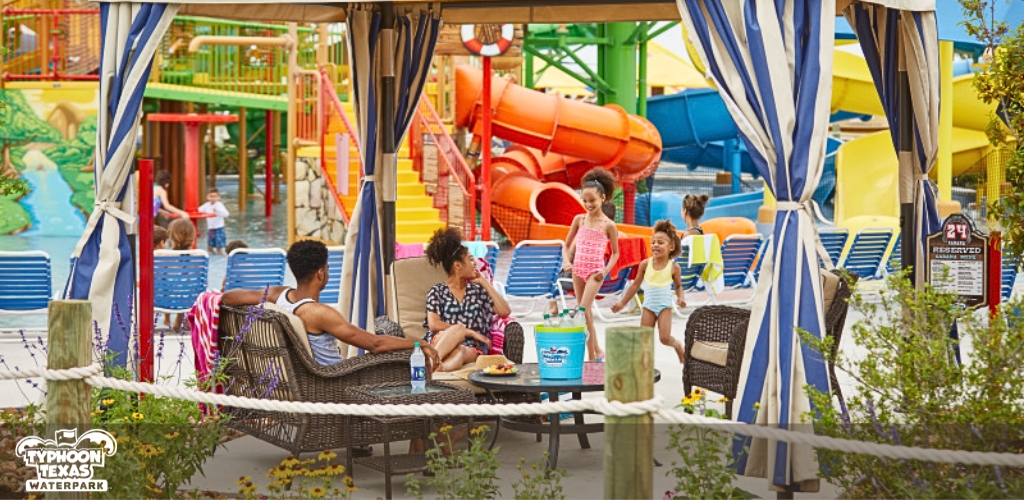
{"x":418,"y":369}
{"x":581,"y":317}
{"x":547,"y":320}
{"x":565,"y":321}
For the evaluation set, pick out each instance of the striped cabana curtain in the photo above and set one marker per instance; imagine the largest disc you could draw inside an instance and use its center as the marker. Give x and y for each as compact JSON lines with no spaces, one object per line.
{"x":377,"y":52}
{"x":772,"y":64}
{"x":102,"y":270}
{"x":892,"y":39}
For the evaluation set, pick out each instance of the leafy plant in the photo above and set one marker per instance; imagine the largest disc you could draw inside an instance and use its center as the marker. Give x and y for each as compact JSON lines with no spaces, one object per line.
{"x":303,"y":479}
{"x":537,"y":482}
{"x":1001,"y":82}
{"x":706,"y":470}
{"x":454,"y":474}
{"x":912,"y":391}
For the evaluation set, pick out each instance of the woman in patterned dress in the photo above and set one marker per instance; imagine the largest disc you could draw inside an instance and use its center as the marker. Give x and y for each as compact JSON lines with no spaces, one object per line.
{"x":459,"y":310}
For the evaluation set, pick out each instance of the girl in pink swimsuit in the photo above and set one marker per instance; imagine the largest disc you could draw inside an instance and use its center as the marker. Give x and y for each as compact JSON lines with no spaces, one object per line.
{"x":585,"y":247}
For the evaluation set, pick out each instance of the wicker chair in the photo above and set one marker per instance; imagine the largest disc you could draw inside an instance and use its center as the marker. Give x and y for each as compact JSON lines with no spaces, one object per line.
{"x":716,"y":337}
{"x":272,"y":360}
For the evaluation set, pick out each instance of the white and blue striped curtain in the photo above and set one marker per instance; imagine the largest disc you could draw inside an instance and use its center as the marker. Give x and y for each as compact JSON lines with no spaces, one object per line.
{"x":102,"y":270}
{"x":409,"y":46}
{"x":772,"y":64}
{"x":891,"y":39}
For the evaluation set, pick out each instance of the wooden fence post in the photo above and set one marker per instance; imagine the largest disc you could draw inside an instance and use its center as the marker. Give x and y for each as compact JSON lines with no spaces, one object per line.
{"x":68,"y":401}
{"x":629,"y":441}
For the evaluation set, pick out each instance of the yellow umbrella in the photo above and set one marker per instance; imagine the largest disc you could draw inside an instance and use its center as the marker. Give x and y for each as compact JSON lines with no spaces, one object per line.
{"x":554,"y":79}
{"x":666,"y":69}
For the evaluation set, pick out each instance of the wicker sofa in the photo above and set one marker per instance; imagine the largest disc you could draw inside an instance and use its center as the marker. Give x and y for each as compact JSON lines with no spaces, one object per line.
{"x":271,"y":359}
{"x":716,"y":338}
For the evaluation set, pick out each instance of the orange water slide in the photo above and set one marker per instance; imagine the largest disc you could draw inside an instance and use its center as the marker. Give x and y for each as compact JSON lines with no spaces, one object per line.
{"x":558,"y":140}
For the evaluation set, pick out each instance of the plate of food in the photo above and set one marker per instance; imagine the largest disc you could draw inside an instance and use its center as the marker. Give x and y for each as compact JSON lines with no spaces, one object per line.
{"x":501,"y":370}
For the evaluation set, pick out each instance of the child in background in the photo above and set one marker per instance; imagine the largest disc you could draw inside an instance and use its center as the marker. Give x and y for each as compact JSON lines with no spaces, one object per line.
{"x":658,"y":274}
{"x":215,"y":237}
{"x":585,"y":246}
{"x":162,"y":209}
{"x":232,"y":246}
{"x":693,"y":210}
{"x":182,"y":234}
{"x":159,"y":238}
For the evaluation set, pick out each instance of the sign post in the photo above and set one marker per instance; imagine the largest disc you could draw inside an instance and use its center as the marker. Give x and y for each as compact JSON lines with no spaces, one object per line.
{"x":486,"y":40}
{"x":959,"y":261}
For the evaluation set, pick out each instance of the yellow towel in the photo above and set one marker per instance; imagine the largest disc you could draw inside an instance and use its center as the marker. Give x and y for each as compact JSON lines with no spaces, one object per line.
{"x":708,"y":251}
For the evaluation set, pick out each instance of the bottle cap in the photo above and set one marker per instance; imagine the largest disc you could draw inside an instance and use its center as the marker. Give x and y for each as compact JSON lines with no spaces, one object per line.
{"x":547,"y":316}
{"x":415,"y":344}
{"x":583,"y":308}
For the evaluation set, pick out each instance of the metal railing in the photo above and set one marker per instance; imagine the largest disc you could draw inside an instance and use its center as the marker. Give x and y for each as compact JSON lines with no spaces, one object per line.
{"x":332,"y":109}
{"x":51,"y":44}
{"x":455,"y":191}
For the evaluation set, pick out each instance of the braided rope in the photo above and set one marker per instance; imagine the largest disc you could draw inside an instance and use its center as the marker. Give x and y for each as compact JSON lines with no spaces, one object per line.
{"x":77,"y":373}
{"x":91,"y":375}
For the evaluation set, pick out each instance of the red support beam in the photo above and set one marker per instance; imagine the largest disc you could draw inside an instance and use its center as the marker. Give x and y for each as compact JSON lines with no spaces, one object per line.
{"x":145,"y":249}
{"x":485,"y":155}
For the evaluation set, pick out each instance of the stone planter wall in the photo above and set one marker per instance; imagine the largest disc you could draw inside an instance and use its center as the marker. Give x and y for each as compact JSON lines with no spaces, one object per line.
{"x":317,"y":214}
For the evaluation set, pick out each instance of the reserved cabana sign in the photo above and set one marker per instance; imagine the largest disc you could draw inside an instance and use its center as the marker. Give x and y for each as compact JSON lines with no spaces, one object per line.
{"x":958,"y":261}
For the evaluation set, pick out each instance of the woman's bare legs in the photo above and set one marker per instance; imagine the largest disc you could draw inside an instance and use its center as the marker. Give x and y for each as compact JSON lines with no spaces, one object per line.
{"x":585,"y":293}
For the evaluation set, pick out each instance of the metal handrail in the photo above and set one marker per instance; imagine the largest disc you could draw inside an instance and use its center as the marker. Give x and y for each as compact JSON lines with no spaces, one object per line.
{"x":449,"y":151}
{"x":330,"y":96}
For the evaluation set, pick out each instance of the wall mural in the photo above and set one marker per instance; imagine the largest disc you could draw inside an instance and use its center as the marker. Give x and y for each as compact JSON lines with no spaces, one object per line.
{"x":48,"y":136}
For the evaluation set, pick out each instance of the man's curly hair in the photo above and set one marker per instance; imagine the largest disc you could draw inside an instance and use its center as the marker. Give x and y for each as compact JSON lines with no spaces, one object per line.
{"x":305,"y":258}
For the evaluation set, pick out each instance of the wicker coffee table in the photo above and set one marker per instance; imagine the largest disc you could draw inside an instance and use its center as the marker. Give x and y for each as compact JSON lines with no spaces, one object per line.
{"x":401,"y":428}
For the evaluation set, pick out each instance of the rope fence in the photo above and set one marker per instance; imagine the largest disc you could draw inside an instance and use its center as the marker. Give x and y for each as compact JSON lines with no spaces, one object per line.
{"x":92,"y":375}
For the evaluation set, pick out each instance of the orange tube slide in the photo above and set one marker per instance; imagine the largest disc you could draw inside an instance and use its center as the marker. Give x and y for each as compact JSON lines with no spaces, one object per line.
{"x":532,"y":179}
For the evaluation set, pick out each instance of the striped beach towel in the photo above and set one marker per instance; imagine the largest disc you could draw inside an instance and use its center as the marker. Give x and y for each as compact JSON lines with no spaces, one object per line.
{"x":203,"y":320}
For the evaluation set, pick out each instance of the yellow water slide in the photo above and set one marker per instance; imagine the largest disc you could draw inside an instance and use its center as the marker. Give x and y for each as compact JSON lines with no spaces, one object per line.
{"x":866,"y":167}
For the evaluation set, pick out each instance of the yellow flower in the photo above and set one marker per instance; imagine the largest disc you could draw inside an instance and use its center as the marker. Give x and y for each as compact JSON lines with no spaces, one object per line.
{"x":97,"y":412}
{"x":138,"y":416}
{"x":723,"y":399}
{"x":351,"y":488}
{"x":310,"y":461}
{"x":347,"y":480}
{"x":290,"y":461}
{"x":757,"y":405}
{"x":317,"y":492}
{"x":279,"y":472}
{"x":478,"y":430}
{"x":298,"y":471}
{"x":444,"y":429}
{"x":316,"y":472}
{"x":698,"y":391}
{"x":31,"y":496}
{"x":688,"y":400}
{"x":154,"y":489}
{"x":150,"y":477}
{"x":122,"y":440}
{"x":243,"y":480}
{"x":172,"y":435}
{"x":327,"y":455}
{"x":149,"y":450}
{"x":108,"y":401}
{"x":334,"y":469}
{"x":248,"y":489}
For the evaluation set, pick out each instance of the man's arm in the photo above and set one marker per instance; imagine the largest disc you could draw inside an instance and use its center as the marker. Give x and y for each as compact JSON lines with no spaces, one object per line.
{"x":250,"y":297}
{"x":322,"y":318}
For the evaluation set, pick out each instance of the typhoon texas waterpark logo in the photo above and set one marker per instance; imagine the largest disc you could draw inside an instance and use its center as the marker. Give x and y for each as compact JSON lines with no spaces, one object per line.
{"x":67,"y":462}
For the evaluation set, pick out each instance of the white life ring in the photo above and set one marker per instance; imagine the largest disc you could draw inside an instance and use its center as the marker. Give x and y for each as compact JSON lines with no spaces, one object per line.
{"x":508,"y":33}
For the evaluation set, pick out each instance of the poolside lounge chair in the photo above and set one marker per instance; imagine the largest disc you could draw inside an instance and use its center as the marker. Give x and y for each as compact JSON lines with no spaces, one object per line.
{"x":179,"y":276}
{"x":534,"y":273}
{"x":689,"y":276}
{"x":492,"y":256}
{"x":738,"y":254}
{"x":716,"y":337}
{"x":867,"y":252}
{"x":895,"y":261}
{"x":1009,"y":277}
{"x":255,"y":268}
{"x":335,"y":260}
{"x":25,"y":284}
{"x":834,"y":241}
{"x":612,"y":288}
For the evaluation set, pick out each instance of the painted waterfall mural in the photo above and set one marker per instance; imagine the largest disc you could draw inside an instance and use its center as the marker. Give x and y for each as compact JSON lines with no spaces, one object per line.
{"x":47,"y":138}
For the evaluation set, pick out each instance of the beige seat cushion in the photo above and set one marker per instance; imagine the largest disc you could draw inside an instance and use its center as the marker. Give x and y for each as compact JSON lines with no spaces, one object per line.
{"x":297,"y":325}
{"x":413,"y":278}
{"x":712,"y":352}
{"x":829,"y":287}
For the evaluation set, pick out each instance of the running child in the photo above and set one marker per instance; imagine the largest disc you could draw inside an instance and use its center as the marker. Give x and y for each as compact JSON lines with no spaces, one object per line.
{"x":658,"y":274}
{"x":693,"y":210}
{"x":585,"y":246}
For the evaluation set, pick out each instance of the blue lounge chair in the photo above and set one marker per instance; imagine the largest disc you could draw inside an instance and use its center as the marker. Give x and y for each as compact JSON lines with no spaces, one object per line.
{"x":25,"y":286}
{"x":762,"y":254}
{"x":612,"y":288}
{"x":492,"y":256}
{"x":689,"y":277}
{"x":335,"y":261}
{"x":738,"y":255}
{"x":867,"y":253}
{"x":834,"y":241}
{"x":1010,"y":266}
{"x":255,"y":268}
{"x":534,"y":273}
{"x":895,"y":261}
{"x":179,"y":276}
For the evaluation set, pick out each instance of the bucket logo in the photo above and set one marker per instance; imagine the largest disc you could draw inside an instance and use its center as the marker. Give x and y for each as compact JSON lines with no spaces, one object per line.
{"x":555,"y":357}
{"x":67,"y":462}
